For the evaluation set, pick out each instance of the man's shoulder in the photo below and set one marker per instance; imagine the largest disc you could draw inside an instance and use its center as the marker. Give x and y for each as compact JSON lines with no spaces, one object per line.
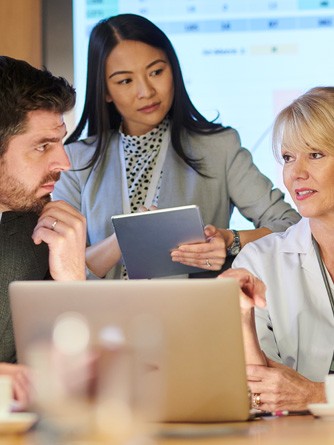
{"x":28,"y":219}
{"x":24,"y":260}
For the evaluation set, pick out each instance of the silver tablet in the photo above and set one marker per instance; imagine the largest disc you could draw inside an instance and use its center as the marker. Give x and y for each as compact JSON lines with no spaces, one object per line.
{"x":146,"y":240}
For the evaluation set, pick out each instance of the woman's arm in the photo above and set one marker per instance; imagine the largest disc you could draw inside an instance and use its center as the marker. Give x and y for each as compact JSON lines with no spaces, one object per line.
{"x":252,"y":293}
{"x":246,"y":236}
{"x":212,"y":254}
{"x":253,"y":353}
{"x":276,"y":386}
{"x":103,"y":256}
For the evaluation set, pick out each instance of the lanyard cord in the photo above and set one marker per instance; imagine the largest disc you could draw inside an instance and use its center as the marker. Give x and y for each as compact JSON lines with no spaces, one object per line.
{"x":329,"y":290}
{"x":323,"y":272}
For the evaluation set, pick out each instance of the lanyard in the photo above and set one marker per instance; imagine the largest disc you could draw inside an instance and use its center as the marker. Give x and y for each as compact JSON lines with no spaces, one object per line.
{"x":155,"y":175}
{"x":328,"y":288}
{"x":323,"y":273}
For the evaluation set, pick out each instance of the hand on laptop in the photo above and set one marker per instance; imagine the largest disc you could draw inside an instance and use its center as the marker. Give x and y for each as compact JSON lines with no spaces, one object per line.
{"x":63,"y":228}
{"x":252,"y":289}
{"x":21,"y":383}
{"x":210,"y":255}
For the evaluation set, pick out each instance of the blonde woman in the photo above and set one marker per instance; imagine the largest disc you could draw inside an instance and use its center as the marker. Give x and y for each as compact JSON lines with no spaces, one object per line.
{"x":291,"y":350}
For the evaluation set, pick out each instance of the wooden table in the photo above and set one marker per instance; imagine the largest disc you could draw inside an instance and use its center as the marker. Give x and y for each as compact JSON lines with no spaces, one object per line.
{"x":294,"y":430}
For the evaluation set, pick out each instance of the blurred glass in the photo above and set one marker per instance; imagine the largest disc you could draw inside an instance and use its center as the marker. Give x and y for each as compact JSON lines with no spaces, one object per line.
{"x":96,"y":388}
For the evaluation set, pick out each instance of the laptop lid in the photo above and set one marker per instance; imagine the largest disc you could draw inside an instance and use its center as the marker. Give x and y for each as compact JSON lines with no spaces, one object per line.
{"x":197,"y":367}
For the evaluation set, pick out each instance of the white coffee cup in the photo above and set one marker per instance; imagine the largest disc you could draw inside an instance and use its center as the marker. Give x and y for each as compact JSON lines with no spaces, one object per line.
{"x":6,"y":394}
{"x":329,"y":388}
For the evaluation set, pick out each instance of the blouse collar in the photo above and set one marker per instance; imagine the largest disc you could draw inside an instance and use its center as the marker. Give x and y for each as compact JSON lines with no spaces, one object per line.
{"x":150,"y":141}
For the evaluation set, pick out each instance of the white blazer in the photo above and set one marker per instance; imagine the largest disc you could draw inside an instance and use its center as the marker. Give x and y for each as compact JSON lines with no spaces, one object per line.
{"x":297,"y":327}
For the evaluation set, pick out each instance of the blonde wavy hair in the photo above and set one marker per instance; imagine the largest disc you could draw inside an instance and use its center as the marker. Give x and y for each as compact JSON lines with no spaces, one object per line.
{"x":307,"y":124}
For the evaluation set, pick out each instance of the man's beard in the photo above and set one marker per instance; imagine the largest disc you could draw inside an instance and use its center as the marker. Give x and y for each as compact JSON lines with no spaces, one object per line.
{"x":15,"y":196}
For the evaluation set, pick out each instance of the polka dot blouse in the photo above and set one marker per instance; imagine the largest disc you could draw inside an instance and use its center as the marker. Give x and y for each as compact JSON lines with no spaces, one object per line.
{"x":140,"y":155}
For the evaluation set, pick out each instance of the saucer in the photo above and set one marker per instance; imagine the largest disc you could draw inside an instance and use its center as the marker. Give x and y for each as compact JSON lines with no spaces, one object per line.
{"x":323,"y":410}
{"x":17,"y":422}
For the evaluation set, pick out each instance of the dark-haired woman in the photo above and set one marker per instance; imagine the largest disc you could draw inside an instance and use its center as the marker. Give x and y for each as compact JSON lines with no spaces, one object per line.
{"x":148,"y":145}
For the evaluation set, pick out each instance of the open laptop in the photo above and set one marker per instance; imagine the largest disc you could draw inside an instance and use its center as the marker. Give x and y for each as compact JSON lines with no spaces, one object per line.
{"x":196,"y":358}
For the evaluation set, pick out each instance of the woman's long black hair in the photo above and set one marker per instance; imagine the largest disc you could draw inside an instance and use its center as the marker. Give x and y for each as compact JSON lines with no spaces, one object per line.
{"x":101,"y":116}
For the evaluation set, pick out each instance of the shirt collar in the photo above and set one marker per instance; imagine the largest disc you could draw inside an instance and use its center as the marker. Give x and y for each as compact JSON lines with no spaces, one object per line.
{"x":297,"y":238}
{"x":150,"y":141}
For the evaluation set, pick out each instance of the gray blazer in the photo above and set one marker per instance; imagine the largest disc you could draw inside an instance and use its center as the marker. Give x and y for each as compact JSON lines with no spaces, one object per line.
{"x":233,"y":181}
{"x":20,"y":259}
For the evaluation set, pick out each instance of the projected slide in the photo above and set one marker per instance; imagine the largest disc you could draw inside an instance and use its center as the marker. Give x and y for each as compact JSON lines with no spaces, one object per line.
{"x":242,"y":59}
